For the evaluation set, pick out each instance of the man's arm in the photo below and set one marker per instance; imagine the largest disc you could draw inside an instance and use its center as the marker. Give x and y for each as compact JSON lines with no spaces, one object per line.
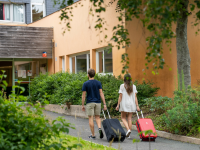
{"x":83,"y":100}
{"x":103,"y":98}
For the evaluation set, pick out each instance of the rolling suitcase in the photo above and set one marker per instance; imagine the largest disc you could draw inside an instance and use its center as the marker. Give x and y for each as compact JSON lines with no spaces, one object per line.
{"x":144,"y":124}
{"x":113,"y":129}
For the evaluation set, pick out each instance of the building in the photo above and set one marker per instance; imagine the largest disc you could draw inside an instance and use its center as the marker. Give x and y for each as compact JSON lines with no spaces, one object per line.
{"x":80,"y":48}
{"x":21,"y":47}
{"x":25,"y":11}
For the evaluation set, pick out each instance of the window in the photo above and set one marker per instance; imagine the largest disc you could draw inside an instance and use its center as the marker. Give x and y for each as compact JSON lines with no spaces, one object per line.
{"x":4,"y":12}
{"x":12,"y":12}
{"x":80,"y":63}
{"x":104,"y":62}
{"x":63,"y":64}
{"x":18,"y":13}
{"x":38,"y":9}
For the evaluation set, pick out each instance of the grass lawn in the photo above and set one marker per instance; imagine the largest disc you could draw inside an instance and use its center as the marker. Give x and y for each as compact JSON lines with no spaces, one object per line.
{"x":86,"y":145}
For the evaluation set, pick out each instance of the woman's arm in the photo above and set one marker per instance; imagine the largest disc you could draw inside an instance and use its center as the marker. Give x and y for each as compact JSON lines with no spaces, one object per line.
{"x":136,"y":102}
{"x":119,"y":101}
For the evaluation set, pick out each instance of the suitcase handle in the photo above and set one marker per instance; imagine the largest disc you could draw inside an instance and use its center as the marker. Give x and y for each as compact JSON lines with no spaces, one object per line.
{"x":138,"y":115}
{"x":107,"y":112}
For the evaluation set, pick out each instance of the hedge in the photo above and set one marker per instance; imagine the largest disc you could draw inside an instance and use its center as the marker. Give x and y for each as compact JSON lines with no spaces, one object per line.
{"x":61,"y":87}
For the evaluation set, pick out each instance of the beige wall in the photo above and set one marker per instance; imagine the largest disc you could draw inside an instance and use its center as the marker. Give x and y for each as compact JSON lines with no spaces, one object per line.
{"x":82,"y":37}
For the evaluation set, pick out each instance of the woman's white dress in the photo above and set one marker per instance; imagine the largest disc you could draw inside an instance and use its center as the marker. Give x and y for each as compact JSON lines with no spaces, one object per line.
{"x":128,"y":101}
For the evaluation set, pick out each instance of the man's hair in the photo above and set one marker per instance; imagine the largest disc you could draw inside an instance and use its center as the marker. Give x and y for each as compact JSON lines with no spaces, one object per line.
{"x":91,"y":73}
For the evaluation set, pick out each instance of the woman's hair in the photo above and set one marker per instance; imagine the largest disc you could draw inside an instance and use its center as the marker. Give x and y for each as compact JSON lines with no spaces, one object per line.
{"x":128,"y":84}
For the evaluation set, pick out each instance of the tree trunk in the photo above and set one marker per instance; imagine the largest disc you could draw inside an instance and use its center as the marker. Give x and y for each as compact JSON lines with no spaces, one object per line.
{"x":183,"y":54}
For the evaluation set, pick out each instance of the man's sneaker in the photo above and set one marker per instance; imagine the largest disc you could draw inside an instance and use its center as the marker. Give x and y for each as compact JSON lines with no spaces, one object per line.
{"x":92,"y":137}
{"x":100,"y":133}
{"x":128,"y":133}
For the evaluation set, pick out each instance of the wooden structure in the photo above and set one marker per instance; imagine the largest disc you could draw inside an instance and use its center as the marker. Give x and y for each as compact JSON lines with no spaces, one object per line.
{"x":25,"y":42}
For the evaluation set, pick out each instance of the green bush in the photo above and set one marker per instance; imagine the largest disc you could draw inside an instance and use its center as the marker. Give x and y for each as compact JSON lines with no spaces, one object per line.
{"x":184,"y":118}
{"x":179,"y":115}
{"x":26,"y":128}
{"x":158,"y":104}
{"x":61,"y":87}
{"x":145,"y":90}
{"x":58,"y":88}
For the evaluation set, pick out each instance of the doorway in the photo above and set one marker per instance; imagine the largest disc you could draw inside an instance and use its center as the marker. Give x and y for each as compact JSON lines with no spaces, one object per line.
{"x":7,"y":67}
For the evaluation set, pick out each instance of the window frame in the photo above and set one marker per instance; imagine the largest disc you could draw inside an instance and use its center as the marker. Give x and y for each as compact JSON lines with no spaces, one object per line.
{"x":11,"y":14}
{"x":97,"y":61}
{"x":63,"y":64}
{"x":74,"y":56}
{"x":44,"y":9}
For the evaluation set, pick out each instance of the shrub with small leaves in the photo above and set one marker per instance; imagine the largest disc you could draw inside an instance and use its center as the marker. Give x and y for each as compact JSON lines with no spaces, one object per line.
{"x":158,"y":104}
{"x":184,"y":118}
{"x":26,"y":128}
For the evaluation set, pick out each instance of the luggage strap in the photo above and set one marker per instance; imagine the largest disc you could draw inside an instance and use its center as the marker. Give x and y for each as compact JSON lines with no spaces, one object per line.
{"x":107,"y":112}
{"x":141,"y":114}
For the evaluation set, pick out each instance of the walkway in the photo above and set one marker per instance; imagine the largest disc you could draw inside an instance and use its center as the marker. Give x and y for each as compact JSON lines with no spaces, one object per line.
{"x":83,"y":130}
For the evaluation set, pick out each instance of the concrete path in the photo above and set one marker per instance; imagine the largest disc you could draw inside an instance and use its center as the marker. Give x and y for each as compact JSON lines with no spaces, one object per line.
{"x":83,"y":130}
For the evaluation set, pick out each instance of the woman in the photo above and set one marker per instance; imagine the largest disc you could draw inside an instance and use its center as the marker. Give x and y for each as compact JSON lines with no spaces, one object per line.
{"x":128,"y":102}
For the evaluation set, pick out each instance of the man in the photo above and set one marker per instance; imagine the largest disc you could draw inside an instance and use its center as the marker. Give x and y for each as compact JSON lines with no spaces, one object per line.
{"x":93,"y":89}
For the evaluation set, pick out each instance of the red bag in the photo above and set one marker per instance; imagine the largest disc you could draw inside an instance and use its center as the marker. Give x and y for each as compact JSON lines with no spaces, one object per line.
{"x":144,"y":124}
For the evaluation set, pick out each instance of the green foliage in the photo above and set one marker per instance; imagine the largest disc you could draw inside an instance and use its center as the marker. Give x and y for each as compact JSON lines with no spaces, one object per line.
{"x":179,"y":115}
{"x":25,"y":128}
{"x":183,"y":118}
{"x":62,"y":87}
{"x":86,"y":145}
{"x":145,"y":90}
{"x":158,"y":104}
{"x":58,"y":88}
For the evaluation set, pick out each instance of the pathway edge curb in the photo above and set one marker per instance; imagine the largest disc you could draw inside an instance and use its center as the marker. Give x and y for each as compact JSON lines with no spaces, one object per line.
{"x":171,"y":136}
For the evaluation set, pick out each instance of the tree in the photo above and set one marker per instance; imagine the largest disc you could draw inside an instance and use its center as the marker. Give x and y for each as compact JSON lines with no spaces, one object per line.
{"x":158,"y":16}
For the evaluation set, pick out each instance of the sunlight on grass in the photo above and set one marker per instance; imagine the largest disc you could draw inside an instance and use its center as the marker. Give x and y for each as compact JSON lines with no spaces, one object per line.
{"x":86,"y":145}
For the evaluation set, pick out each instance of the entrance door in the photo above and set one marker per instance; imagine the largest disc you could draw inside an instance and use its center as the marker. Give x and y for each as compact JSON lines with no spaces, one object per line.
{"x":22,"y":74}
{"x":25,"y":71}
{"x":7,"y":67}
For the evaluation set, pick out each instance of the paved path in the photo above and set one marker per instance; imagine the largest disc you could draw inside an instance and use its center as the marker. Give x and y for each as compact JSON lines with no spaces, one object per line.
{"x":83,"y":130}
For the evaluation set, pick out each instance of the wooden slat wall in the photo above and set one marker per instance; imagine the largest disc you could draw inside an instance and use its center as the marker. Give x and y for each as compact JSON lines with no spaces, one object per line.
{"x":25,"y":42}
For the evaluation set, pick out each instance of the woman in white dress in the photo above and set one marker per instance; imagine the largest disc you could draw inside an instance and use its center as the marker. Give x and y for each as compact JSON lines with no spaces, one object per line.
{"x":128,"y":102}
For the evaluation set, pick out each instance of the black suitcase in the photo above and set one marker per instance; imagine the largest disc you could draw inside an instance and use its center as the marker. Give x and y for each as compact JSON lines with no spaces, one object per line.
{"x":113,"y":129}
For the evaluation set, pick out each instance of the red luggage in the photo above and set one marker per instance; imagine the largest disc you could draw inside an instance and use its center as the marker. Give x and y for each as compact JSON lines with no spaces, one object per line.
{"x":144,"y":124}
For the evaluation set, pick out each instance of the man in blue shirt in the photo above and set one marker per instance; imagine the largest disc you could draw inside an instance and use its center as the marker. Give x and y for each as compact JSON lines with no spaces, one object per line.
{"x":94,"y":91}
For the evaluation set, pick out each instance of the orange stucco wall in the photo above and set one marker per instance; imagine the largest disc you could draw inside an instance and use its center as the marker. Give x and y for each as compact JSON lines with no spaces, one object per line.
{"x":82,"y":37}
{"x":194,"y":47}
{"x":166,"y":79}
{"x":137,"y":51}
